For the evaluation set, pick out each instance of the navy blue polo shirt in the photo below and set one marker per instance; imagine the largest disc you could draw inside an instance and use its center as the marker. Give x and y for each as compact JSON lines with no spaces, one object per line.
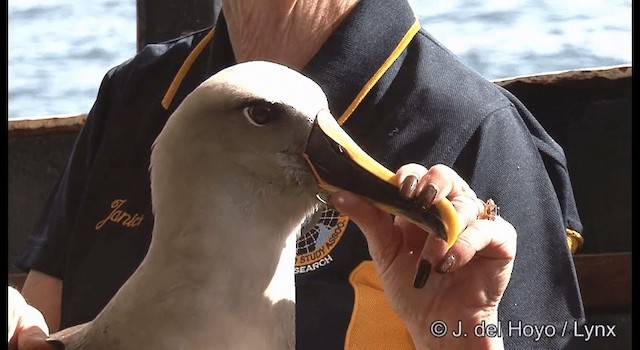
{"x":427,"y":107}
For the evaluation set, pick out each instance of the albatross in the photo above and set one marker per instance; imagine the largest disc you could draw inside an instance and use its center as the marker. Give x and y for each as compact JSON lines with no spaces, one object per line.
{"x":234,"y":172}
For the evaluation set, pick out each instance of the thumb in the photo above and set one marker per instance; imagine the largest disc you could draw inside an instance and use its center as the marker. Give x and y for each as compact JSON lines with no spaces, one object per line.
{"x":33,"y":338}
{"x":376,"y":225}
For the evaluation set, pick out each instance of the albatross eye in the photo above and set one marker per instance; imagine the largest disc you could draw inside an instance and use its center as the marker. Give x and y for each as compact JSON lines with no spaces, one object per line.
{"x":260,"y":114}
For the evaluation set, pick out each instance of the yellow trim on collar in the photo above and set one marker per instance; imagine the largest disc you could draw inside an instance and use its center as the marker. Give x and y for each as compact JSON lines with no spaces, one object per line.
{"x":404,"y":42}
{"x":184,"y":69}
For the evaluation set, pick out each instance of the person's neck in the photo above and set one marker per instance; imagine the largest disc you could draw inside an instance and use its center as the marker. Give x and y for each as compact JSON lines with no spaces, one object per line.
{"x":288,"y":32}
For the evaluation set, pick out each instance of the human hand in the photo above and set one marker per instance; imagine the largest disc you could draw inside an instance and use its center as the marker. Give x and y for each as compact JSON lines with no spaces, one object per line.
{"x":27,"y":329}
{"x":423,"y":280}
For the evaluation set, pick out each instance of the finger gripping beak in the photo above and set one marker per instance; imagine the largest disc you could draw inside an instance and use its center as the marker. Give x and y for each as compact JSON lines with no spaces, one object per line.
{"x":337,"y":162}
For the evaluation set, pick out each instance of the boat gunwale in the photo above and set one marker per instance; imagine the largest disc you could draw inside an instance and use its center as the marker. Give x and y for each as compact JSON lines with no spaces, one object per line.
{"x":74,"y":122}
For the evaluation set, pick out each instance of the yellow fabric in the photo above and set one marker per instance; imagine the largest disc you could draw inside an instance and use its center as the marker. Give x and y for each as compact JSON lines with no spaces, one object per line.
{"x":184,"y":69}
{"x":374,"y":325}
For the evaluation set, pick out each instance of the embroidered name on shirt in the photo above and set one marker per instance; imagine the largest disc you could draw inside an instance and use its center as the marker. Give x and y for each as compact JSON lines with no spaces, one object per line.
{"x":120,"y":216}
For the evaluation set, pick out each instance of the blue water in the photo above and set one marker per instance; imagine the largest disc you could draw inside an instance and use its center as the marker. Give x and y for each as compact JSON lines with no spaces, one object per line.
{"x":59,"y":50}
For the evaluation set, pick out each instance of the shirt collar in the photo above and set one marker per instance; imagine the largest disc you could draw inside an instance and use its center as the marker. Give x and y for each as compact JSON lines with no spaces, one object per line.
{"x":221,"y":53}
{"x":358,"y":47}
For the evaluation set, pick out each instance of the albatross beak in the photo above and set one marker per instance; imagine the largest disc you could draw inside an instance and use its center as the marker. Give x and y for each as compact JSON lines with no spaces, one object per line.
{"x":337,"y":162}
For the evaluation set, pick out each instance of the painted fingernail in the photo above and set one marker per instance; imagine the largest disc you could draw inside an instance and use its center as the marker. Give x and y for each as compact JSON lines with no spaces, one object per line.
{"x":446,"y":263}
{"x":408,"y":187}
{"x":422,"y":274}
{"x":427,"y":196}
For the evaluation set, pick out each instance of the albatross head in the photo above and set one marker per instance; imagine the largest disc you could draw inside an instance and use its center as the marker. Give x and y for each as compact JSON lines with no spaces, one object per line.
{"x":240,"y":137}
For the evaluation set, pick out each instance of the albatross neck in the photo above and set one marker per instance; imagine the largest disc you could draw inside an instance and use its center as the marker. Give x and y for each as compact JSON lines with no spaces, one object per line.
{"x":218,"y":221}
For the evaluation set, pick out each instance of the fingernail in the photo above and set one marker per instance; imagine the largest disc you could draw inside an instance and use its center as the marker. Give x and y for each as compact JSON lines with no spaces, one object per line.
{"x":428,"y":195}
{"x":408,"y":187}
{"x":422,"y":274}
{"x":446,"y":263}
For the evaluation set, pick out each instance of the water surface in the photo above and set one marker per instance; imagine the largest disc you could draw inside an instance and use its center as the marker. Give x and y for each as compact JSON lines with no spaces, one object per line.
{"x":59,"y":50}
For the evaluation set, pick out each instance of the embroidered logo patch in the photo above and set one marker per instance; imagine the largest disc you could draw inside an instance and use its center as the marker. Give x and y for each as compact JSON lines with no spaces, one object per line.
{"x":320,"y":234}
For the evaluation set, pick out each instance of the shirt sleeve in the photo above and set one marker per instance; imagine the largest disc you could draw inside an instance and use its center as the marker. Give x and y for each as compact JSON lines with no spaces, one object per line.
{"x":48,"y":240}
{"x":510,"y":160}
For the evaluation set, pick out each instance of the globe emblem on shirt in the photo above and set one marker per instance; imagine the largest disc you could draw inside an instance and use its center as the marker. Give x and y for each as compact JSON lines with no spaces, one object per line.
{"x":321,"y":232}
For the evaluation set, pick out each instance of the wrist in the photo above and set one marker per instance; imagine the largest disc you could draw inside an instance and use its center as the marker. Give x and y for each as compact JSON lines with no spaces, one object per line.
{"x":477,"y":332}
